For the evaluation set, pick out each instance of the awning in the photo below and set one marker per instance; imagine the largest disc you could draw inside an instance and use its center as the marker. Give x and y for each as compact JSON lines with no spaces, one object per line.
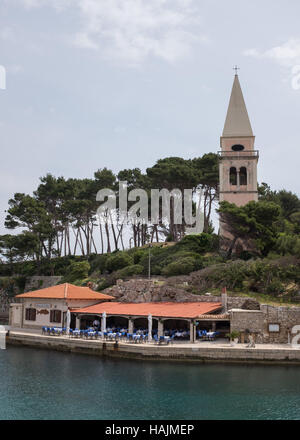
{"x":186,"y":310}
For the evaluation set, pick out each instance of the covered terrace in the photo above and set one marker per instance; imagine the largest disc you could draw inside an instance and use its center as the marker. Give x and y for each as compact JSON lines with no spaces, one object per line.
{"x":156,"y":318}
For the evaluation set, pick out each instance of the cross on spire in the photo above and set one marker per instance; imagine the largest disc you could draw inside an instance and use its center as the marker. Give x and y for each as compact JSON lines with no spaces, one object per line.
{"x":236,"y":68}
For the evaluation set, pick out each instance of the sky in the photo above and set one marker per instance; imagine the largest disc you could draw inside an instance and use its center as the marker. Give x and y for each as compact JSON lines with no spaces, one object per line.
{"x":123,"y":83}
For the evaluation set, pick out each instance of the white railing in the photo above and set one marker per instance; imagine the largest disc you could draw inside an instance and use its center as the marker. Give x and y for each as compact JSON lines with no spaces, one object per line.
{"x":243,"y":153}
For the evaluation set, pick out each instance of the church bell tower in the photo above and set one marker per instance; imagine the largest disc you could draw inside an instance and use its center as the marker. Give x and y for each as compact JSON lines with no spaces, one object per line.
{"x":238,"y":158}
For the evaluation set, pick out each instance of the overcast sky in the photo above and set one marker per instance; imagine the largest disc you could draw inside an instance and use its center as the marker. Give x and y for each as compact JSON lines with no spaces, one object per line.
{"x":122,"y":83}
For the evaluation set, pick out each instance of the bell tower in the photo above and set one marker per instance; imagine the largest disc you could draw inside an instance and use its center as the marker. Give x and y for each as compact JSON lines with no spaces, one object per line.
{"x":238,"y":158}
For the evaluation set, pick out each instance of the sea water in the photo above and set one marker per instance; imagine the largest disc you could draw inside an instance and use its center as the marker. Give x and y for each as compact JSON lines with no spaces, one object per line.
{"x":44,"y":384}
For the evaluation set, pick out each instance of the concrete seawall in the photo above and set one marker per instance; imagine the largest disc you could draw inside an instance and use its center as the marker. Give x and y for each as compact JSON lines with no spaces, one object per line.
{"x":178,"y":352}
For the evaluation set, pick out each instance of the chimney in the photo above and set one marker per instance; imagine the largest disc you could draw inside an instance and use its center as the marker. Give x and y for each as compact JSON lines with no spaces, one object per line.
{"x":224,"y":299}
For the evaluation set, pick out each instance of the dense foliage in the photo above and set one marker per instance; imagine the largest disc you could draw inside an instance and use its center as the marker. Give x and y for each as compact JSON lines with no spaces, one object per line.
{"x":271,"y":276}
{"x":60,"y":219}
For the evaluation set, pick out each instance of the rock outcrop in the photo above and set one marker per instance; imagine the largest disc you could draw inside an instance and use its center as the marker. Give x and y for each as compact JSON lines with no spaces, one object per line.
{"x":251,"y":304}
{"x":141,"y":290}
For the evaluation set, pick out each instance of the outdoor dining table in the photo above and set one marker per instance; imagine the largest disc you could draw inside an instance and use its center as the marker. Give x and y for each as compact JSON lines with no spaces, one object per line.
{"x":57,"y":329}
{"x":164,"y":339}
{"x":210,"y":335}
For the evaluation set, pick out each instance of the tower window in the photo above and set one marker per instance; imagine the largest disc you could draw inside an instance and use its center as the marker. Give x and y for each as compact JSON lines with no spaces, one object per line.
{"x":233,"y":176}
{"x":243,"y":176}
{"x":237,"y":147}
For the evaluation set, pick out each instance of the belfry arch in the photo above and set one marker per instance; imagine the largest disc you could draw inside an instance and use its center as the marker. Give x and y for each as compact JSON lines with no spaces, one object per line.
{"x":243,"y":176}
{"x":233,"y":176}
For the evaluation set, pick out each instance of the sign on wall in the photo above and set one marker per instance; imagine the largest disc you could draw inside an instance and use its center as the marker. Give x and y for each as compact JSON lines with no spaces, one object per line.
{"x":43,"y":312}
{"x":274,"y":328}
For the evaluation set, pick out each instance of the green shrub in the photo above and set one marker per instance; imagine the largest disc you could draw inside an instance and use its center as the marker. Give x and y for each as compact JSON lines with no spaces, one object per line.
{"x":78,"y":271}
{"x":20,"y":282}
{"x":129,"y":271}
{"x":7,"y":284}
{"x":275,"y":287}
{"x":103,"y":283}
{"x":118,"y":261}
{"x":138,"y":255}
{"x":287,"y":244}
{"x":233,"y":335}
{"x":182,"y":266}
{"x":200,"y":243}
{"x":27,"y":269}
{"x":98,"y":263}
{"x":155,"y":269}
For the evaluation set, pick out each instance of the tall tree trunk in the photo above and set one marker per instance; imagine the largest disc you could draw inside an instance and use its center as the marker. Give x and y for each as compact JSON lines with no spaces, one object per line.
{"x":107,"y":238}
{"x":76,"y":241}
{"x":101,"y":236}
{"x":81,"y":241}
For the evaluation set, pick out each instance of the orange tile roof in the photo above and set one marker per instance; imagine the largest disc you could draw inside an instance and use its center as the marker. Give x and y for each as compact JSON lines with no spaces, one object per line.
{"x":158,"y":309}
{"x":67,"y":291}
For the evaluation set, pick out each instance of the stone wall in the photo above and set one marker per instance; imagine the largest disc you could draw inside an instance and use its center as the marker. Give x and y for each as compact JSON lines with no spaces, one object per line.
{"x":286,"y":317}
{"x":5,"y":301}
{"x":242,"y":320}
{"x":194,"y":352}
{"x":258,"y":322}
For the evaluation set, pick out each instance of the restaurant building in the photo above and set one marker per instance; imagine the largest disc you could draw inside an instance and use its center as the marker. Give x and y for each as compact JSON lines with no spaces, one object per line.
{"x":49,"y":306}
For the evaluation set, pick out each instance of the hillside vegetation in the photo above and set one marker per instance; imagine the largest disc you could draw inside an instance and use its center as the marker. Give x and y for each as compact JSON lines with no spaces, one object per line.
{"x":61,"y":235}
{"x":193,"y":264}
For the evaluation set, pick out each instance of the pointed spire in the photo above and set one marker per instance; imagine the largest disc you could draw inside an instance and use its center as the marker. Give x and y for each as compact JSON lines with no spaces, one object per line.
{"x":237,"y":121}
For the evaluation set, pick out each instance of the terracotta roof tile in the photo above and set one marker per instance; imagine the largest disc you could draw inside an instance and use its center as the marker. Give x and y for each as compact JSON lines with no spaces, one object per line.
{"x":68,"y":291}
{"x":158,"y":309}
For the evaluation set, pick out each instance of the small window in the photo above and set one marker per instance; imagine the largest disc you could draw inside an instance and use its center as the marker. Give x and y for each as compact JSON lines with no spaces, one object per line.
{"x":55,"y":316}
{"x":30,"y":314}
{"x":233,"y":176}
{"x":243,"y":176}
{"x":237,"y":147}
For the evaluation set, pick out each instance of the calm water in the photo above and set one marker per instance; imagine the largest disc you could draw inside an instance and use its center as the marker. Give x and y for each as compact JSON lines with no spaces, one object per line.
{"x":37,"y":384}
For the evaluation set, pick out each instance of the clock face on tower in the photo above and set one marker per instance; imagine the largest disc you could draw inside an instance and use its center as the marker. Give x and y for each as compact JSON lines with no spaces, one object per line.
{"x":237,"y":147}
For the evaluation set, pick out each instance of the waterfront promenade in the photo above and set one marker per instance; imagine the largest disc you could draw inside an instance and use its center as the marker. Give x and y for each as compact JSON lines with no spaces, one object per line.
{"x":200,"y":351}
